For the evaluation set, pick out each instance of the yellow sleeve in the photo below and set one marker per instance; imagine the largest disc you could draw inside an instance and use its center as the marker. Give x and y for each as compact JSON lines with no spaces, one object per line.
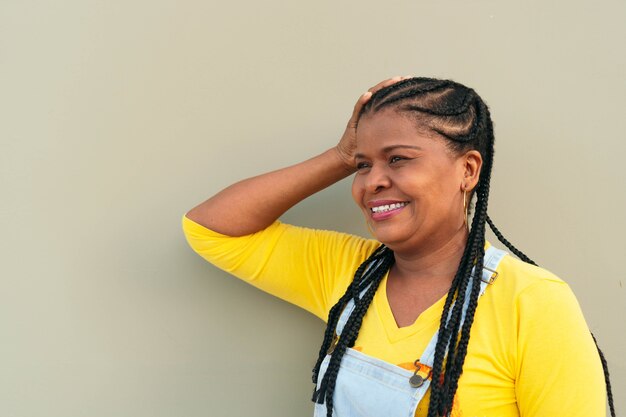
{"x":309,"y":268}
{"x":559,"y":370}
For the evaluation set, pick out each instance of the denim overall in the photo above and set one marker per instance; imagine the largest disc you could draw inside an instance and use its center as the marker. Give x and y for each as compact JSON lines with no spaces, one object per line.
{"x":370,"y":387}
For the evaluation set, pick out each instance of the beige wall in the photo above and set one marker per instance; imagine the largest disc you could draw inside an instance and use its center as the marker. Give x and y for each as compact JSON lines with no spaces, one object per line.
{"x":118,"y":117}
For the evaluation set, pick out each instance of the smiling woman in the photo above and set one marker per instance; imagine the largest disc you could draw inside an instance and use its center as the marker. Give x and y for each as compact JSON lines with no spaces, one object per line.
{"x":427,"y":319}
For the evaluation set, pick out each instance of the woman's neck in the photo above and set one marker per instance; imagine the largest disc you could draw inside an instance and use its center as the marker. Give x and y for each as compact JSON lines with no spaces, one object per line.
{"x":439,"y":259}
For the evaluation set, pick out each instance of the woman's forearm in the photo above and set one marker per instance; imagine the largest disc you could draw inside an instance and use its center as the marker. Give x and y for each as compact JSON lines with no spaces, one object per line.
{"x":254,"y":203}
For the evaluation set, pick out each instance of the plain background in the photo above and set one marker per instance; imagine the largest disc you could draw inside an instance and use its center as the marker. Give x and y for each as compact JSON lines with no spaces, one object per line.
{"x":118,"y":117}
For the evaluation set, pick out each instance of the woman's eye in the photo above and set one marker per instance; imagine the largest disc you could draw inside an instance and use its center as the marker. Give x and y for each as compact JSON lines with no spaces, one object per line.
{"x":362,"y":165}
{"x":395,"y":159}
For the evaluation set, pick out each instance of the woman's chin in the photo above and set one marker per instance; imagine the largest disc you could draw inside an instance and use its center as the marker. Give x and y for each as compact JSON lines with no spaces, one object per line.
{"x":389,"y":238}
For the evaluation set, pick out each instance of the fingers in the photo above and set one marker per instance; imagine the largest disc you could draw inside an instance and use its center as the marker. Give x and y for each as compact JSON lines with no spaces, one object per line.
{"x":366,"y":96}
{"x":388,"y":82}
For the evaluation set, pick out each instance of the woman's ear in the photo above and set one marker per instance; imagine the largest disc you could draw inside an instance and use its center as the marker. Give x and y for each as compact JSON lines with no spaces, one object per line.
{"x":472,"y":163}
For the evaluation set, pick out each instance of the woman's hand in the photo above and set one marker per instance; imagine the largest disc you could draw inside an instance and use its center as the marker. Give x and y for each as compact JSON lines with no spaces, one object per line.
{"x":346,"y":146}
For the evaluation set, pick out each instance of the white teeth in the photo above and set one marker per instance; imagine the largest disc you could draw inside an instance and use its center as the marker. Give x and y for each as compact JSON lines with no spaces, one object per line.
{"x":388,"y":207}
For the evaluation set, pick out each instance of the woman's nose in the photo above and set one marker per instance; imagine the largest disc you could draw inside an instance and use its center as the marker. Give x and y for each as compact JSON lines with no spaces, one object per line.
{"x":377,"y":179}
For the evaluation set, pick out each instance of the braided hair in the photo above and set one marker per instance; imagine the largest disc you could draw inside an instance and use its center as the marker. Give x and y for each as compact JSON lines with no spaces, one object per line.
{"x":458,"y":114}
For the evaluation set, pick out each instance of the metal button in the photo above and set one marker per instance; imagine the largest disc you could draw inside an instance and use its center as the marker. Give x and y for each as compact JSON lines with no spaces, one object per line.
{"x":416,"y":380}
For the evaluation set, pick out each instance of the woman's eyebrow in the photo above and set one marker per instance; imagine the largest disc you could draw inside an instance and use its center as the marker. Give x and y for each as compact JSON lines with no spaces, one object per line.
{"x":393,"y":147}
{"x":390,"y":148}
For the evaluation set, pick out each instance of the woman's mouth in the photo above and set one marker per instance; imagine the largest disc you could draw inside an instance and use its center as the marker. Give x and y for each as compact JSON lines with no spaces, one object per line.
{"x":385,"y":211}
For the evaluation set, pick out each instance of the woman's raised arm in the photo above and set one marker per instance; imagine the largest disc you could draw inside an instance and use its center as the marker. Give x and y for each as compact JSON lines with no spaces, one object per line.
{"x":254,"y":203}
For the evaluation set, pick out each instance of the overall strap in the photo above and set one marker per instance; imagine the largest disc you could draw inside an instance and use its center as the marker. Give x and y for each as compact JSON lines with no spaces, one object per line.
{"x":493,"y":256}
{"x":492,"y":259}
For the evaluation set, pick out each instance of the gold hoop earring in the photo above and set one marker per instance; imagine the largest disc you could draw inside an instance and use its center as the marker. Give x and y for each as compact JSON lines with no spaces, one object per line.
{"x":465,"y":205}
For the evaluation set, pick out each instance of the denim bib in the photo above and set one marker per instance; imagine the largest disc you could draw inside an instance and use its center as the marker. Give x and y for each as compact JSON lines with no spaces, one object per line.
{"x":370,"y":387}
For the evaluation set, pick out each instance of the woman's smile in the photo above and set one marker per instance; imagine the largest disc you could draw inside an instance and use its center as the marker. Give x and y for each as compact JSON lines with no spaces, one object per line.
{"x":385,"y":209}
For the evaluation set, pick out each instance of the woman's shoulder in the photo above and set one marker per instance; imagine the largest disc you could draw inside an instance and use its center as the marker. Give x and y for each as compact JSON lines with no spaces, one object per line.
{"x":520,"y":284}
{"x":523,"y":274}
{"x":527,"y":302}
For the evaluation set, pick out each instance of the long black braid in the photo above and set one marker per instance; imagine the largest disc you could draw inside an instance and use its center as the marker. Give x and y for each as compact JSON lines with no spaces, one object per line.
{"x":458,"y":114}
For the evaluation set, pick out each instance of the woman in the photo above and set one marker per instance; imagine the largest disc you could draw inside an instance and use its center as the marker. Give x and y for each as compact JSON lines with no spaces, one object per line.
{"x":413,"y":329}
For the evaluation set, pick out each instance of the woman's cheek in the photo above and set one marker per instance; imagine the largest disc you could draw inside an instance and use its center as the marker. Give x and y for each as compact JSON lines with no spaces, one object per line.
{"x":357,"y":190}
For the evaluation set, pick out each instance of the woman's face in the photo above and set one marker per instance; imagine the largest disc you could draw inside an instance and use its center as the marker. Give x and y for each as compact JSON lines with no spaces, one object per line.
{"x":408,"y":183}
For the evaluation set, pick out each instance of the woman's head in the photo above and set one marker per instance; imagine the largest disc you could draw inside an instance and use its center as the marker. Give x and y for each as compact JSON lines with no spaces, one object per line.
{"x":410,"y":184}
{"x":420,"y":149}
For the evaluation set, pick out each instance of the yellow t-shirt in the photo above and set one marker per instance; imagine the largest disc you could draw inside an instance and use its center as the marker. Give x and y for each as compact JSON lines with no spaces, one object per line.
{"x":530,"y":351}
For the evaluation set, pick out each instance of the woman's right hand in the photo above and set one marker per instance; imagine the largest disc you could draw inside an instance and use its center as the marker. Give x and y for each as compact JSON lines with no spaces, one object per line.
{"x":347,"y":145}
